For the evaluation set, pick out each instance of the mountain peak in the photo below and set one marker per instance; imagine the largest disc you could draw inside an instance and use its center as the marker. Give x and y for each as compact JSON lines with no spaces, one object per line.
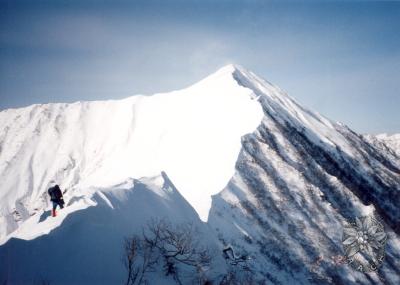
{"x":230,"y":68}
{"x":244,"y":78}
{"x":228,"y":74}
{"x":233,"y":70}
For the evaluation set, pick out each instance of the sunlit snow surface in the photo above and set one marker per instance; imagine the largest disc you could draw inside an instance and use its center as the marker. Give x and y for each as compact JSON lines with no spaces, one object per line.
{"x":192,"y":134}
{"x":283,"y":179}
{"x":393,"y":141}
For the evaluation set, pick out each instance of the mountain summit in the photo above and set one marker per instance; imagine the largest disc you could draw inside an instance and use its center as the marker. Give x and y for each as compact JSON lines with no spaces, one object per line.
{"x":273,"y":180}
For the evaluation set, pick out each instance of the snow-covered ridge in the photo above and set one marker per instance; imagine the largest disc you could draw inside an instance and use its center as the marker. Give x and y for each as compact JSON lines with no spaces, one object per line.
{"x":299,"y":178}
{"x":392,"y":141}
{"x":85,"y":240}
{"x":192,"y":134}
{"x":159,"y":187}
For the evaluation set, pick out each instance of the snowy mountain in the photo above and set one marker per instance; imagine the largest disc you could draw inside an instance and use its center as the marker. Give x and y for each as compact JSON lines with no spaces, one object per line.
{"x":299,"y":178}
{"x":268,"y":178}
{"x":392,"y":141}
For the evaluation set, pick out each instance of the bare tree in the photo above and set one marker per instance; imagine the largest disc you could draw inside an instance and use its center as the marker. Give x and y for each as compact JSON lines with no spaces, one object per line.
{"x":178,"y":243}
{"x":130,"y":259}
{"x":139,"y":258}
{"x":175,"y":247}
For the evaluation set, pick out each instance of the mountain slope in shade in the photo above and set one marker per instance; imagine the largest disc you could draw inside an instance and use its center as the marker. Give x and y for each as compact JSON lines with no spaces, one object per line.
{"x":284,"y":179}
{"x":87,"y":247}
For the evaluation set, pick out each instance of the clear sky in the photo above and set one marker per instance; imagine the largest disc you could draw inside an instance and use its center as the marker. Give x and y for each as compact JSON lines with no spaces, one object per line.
{"x":341,"y":59}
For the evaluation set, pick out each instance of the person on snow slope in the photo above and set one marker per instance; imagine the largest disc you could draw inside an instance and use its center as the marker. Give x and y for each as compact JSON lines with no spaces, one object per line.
{"x":56,"y":196}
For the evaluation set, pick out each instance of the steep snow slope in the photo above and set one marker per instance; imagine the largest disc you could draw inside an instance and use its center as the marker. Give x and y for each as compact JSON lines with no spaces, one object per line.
{"x":87,"y":248}
{"x":191,"y":134}
{"x":299,"y":178}
{"x":393,"y":141}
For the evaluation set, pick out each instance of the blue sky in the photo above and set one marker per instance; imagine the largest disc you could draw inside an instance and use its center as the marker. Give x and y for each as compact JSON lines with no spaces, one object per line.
{"x":341,"y":59}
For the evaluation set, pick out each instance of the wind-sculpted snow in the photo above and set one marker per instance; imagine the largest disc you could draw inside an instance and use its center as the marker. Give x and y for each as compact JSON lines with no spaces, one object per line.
{"x":190,"y":134}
